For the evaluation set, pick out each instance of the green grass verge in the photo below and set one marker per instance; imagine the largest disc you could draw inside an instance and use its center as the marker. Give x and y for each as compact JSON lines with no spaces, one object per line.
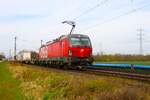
{"x":9,"y":89}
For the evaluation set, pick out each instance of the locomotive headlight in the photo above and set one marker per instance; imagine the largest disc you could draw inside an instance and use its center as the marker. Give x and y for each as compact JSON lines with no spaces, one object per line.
{"x":70,"y":53}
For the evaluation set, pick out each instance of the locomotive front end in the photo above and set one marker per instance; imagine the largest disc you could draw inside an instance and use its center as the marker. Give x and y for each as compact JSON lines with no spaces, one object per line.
{"x":80,"y":51}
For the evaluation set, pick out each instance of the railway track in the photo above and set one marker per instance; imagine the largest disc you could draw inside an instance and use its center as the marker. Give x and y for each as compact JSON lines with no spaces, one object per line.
{"x":135,"y":76}
{"x":103,"y":72}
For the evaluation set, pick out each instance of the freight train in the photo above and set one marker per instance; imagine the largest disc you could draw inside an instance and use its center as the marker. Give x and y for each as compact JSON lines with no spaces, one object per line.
{"x":67,"y":51}
{"x":73,"y":51}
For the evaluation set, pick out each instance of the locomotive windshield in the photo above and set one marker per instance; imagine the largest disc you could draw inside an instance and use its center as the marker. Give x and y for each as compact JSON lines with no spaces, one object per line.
{"x":80,"y":41}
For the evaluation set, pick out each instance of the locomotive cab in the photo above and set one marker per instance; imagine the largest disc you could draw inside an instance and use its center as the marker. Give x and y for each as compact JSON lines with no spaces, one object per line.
{"x":80,"y":50}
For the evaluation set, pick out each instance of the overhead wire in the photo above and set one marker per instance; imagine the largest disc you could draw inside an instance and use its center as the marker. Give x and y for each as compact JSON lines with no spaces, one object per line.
{"x":96,"y":6}
{"x":116,"y":17}
{"x":91,"y":9}
{"x":88,"y":10}
{"x":76,"y":9}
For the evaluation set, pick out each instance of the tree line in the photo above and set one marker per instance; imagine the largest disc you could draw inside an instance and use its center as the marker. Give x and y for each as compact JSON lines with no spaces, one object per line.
{"x":119,"y":57}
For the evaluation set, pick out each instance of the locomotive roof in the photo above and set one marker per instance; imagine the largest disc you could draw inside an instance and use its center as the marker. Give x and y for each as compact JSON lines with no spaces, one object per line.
{"x":64,"y":36}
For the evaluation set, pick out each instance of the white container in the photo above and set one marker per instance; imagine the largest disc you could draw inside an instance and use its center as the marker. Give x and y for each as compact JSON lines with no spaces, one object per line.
{"x":24,"y":56}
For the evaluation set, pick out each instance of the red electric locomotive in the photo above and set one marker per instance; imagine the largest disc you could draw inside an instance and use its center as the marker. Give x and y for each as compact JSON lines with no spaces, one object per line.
{"x":71,"y":50}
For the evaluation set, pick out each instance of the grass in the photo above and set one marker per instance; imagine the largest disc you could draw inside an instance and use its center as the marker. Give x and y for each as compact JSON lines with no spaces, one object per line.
{"x":9,"y":89}
{"x":38,"y":84}
{"x":128,"y":62}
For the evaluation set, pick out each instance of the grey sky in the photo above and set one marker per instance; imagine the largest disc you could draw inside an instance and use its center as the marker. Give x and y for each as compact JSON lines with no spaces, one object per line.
{"x":34,"y":20}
